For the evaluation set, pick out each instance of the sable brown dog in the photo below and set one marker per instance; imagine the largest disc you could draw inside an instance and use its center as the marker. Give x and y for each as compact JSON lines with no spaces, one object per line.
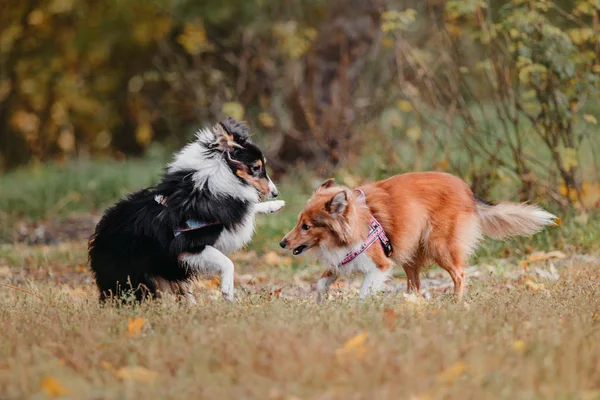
{"x":411,"y":219}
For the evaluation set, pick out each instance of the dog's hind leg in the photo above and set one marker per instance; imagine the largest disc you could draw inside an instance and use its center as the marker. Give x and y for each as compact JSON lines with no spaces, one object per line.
{"x":211,"y":259}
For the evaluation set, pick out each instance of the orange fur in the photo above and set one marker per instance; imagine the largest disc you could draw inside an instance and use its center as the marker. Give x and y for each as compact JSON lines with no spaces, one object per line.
{"x":428,"y":217}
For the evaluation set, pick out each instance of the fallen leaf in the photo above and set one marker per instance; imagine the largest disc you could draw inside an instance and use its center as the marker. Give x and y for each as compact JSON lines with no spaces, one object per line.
{"x":354,"y":346}
{"x":452,"y":373}
{"x":5,"y":272}
{"x":233,"y":109}
{"x":134,"y":326}
{"x":272,"y":258}
{"x":519,"y":346}
{"x":593,"y":394}
{"x":389,"y":317}
{"x":536,"y":287}
{"x":53,"y":388}
{"x":136,"y":373}
{"x":542,"y":256}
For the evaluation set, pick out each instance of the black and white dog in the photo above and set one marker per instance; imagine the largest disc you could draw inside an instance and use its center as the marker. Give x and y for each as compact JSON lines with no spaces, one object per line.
{"x":157,"y":239}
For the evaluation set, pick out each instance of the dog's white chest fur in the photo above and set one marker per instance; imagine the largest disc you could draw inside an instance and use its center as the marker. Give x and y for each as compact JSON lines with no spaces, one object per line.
{"x":231,"y":240}
{"x":333,"y":257}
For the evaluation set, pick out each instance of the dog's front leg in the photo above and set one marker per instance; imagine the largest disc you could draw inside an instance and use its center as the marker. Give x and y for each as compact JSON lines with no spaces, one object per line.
{"x":269,"y":207}
{"x":323,"y":284}
{"x":211,"y":259}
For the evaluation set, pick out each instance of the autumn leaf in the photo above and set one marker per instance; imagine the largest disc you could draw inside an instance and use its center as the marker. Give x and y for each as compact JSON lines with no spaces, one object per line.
{"x":143,"y":133}
{"x":233,"y":109}
{"x":389,"y":317}
{"x":136,"y":373}
{"x":266,"y":119}
{"x":590,"y":118}
{"x":542,"y":256}
{"x":53,"y":388}
{"x":535,"y":287}
{"x":134,"y":326}
{"x":452,"y":373}
{"x":518,"y":346}
{"x":272,"y":258}
{"x":194,"y":39}
{"x":354,"y":346}
{"x":404,"y":105}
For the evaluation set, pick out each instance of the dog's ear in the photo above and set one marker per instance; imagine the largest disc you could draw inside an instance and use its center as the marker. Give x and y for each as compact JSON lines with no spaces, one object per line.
{"x":231,"y":133}
{"x":338,"y":203}
{"x":327,"y":184}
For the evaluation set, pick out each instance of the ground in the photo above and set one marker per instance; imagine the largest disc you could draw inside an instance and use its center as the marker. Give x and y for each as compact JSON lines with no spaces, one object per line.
{"x":529,"y":329}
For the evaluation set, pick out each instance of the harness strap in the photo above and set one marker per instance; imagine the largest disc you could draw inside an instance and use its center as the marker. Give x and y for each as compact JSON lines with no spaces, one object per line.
{"x":376,"y":232}
{"x":189,"y":225}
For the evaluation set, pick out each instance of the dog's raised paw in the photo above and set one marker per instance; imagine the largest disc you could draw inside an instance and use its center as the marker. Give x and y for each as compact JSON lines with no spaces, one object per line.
{"x":276,"y":205}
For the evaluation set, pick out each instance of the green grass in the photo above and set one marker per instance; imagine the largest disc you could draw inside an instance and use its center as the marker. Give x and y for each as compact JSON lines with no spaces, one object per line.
{"x":56,"y":191}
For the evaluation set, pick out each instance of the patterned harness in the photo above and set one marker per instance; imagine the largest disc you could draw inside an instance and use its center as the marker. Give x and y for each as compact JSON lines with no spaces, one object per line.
{"x":376,"y":233}
{"x":189,"y":225}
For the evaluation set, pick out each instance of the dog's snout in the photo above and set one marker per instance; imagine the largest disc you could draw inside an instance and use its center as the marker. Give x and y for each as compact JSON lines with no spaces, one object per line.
{"x":274,"y":194}
{"x":283,"y":244}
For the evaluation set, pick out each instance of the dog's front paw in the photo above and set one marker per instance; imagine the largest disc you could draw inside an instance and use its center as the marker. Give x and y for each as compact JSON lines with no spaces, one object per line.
{"x":274,"y":206}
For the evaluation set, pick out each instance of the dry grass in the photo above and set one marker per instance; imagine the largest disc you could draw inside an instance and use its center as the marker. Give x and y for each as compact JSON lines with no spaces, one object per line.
{"x":515,"y":339}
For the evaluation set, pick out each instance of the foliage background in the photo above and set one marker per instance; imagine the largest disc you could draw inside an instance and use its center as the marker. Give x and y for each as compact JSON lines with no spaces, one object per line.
{"x":503,"y":93}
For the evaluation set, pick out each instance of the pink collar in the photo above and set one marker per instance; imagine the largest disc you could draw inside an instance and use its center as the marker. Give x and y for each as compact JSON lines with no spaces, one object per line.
{"x":376,"y":232}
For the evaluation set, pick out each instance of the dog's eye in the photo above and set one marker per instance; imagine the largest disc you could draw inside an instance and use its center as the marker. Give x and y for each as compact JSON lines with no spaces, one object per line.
{"x":255,"y":168}
{"x":305,"y":227}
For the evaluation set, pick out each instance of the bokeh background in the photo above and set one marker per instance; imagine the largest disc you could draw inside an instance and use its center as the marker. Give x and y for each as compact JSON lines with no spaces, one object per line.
{"x":95,"y":96}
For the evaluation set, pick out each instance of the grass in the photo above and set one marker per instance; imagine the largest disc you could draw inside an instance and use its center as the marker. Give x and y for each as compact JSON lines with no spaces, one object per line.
{"x":511,"y":342}
{"x":520,"y":337}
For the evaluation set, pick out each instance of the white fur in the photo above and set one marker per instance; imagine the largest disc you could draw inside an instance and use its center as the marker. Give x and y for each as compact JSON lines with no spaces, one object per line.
{"x":269,"y":207}
{"x":209,"y":260}
{"x":213,"y":171}
{"x":373,"y":276}
{"x":231,"y":240}
{"x":510,"y":219}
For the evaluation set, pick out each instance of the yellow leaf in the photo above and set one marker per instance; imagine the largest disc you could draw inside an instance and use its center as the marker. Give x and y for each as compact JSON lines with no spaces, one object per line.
{"x":590,"y":118}
{"x":53,"y":388}
{"x":36,"y":17}
{"x":354,"y":346}
{"x":593,"y":394}
{"x":194,"y":39}
{"x":404,"y":105}
{"x":568,"y":156}
{"x":138,"y":374}
{"x":542,"y":256}
{"x":414,"y":132}
{"x":519,"y":346}
{"x":536,"y":287}
{"x":233,"y":109}
{"x":66,"y":140}
{"x":272,"y":258}
{"x":452,"y":373}
{"x":134,"y":326}
{"x":266,"y":119}
{"x":143,"y":133}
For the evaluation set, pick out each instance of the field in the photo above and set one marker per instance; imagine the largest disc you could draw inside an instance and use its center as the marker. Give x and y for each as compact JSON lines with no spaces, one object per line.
{"x":530,"y":328}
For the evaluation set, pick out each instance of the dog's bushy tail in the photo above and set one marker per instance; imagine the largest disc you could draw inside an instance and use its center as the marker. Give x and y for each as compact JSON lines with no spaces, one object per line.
{"x":502,"y":220}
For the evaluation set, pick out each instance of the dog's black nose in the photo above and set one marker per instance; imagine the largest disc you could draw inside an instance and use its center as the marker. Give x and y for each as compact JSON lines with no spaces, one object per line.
{"x":283,"y":243}
{"x":274,"y":194}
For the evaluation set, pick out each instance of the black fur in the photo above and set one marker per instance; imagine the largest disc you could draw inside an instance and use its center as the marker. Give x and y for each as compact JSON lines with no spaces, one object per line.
{"x":134,"y":242}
